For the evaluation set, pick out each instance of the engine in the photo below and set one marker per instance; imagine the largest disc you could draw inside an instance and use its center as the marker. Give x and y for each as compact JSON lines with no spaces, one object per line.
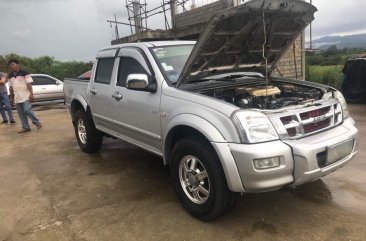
{"x":266,"y":97}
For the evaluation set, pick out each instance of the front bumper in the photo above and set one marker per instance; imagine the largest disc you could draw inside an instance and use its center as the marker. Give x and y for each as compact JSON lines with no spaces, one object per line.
{"x":305,"y":152}
{"x":298,"y":159}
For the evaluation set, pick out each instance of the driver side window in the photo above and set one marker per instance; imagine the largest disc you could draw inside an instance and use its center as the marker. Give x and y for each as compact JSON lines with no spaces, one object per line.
{"x":128,"y":66}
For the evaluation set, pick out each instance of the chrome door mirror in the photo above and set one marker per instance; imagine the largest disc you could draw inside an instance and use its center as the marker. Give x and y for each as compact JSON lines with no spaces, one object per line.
{"x":137,"y":81}
{"x":140,"y":82}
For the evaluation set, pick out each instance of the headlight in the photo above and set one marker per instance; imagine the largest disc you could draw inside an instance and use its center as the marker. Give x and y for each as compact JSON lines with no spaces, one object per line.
{"x":338,"y":95}
{"x":254,"y":127}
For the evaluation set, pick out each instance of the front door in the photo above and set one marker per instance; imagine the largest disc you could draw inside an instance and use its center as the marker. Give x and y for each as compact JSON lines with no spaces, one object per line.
{"x":136,"y":113}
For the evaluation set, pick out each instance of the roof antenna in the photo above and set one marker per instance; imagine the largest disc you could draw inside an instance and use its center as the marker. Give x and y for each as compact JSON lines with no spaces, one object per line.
{"x":264,"y":56}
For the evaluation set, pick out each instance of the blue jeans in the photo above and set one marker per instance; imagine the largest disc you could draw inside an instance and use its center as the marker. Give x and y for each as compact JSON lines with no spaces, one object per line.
{"x":5,"y":105}
{"x":24,"y":111}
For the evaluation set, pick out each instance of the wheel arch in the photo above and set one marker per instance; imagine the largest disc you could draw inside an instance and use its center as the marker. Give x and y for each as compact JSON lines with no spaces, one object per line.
{"x":186,"y":125}
{"x":191,"y":125}
{"x":78,"y":102}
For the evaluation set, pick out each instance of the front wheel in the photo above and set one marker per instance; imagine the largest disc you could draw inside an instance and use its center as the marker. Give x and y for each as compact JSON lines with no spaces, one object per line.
{"x":199,"y":180}
{"x":88,"y":137}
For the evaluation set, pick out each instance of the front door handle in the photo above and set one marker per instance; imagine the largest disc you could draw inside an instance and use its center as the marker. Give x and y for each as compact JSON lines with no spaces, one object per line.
{"x":94,"y":91}
{"x":117,"y":96}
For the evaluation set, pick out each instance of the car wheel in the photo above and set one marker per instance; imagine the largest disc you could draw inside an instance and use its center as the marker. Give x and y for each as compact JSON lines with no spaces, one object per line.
{"x":88,"y":137}
{"x":199,"y":180}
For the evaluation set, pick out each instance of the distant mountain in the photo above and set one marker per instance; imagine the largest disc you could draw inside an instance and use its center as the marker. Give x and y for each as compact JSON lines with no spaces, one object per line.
{"x":348,"y":41}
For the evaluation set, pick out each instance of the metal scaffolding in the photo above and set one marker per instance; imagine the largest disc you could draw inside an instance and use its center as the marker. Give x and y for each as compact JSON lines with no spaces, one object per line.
{"x":138,"y":14}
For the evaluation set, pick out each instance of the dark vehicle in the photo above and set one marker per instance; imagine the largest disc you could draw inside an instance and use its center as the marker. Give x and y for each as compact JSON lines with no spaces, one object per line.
{"x":353,"y":84}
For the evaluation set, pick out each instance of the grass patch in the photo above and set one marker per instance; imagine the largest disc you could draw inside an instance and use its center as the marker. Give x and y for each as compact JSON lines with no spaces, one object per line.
{"x":327,"y":75}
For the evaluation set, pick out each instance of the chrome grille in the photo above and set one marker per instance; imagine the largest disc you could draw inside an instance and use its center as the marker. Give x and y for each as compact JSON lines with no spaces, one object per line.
{"x":307,"y":121}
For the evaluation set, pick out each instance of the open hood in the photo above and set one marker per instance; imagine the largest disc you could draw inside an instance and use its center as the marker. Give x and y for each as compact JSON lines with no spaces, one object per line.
{"x":234,"y":38}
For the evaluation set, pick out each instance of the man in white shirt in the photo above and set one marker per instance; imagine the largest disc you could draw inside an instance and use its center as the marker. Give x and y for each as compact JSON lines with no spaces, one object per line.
{"x":21,"y":93}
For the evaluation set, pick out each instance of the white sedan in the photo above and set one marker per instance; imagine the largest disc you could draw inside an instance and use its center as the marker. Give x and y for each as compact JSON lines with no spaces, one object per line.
{"x":46,"y":88}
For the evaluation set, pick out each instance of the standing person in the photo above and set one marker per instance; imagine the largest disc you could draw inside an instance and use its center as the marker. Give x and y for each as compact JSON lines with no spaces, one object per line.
{"x":4,"y":102}
{"x":21,"y":93}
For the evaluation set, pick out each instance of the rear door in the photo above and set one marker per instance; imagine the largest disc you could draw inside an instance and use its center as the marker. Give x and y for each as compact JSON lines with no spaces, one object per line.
{"x":101,"y":93}
{"x":137,"y":112}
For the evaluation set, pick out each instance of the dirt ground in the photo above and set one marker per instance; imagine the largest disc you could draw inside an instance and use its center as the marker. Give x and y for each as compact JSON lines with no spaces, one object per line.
{"x":50,"y":190}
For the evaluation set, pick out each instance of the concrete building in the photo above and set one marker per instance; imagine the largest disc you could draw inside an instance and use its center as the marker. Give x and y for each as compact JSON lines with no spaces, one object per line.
{"x":189,"y":24}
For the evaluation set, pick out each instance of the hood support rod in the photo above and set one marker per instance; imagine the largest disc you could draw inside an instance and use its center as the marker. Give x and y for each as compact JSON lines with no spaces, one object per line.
{"x":264,"y":56}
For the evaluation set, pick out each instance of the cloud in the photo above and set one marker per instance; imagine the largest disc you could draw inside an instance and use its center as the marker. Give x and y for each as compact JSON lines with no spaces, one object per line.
{"x":338,"y":17}
{"x":22,"y":33}
{"x":16,"y":2}
{"x":113,"y":7}
{"x":76,"y":29}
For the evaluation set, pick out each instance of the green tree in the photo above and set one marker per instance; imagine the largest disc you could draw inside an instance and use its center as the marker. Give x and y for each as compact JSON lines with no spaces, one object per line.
{"x":332,"y":50}
{"x":47,"y":65}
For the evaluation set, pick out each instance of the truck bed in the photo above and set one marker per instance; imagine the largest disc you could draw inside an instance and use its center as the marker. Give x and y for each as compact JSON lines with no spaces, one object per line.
{"x":74,"y":87}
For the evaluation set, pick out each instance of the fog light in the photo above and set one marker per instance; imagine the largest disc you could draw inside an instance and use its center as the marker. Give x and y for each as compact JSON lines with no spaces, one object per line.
{"x":267,"y":163}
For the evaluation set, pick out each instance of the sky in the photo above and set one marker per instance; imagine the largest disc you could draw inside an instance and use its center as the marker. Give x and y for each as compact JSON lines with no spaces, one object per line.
{"x":77,"y":29}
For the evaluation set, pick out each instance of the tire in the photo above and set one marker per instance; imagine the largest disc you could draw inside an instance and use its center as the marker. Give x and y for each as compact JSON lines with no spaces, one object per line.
{"x":199,"y":179}
{"x":88,"y":137}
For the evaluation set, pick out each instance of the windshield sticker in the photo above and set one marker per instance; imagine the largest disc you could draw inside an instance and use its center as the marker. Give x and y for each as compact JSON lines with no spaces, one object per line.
{"x":167,"y":67}
{"x":160,"y":52}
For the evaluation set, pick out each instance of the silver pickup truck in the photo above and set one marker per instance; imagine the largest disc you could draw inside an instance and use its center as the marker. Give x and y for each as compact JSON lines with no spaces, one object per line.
{"x":211,"y":110}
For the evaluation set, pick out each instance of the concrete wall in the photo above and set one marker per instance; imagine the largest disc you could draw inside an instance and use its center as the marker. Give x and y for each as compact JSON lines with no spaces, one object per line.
{"x":199,"y":15}
{"x":292,"y":64}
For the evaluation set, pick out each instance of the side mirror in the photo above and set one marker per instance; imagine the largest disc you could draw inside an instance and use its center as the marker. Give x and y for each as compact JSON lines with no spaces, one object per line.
{"x":140,"y":82}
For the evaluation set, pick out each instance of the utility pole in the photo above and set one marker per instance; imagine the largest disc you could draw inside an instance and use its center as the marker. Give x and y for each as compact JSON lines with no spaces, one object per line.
{"x":173,"y":11}
{"x":136,"y":6}
{"x":311,"y":31}
{"x":116,"y":27}
{"x":193,"y":6}
{"x":236,"y":3}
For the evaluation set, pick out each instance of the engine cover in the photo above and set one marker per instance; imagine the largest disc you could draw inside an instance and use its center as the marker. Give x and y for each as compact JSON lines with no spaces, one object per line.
{"x":259,"y":91}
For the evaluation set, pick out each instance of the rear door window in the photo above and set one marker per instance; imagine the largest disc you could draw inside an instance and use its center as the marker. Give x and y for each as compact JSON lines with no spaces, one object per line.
{"x":104,"y":70}
{"x":41,"y":80}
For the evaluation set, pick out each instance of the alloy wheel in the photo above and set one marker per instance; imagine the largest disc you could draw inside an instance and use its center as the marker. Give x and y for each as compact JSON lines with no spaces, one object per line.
{"x":194,"y":179}
{"x":82,"y":131}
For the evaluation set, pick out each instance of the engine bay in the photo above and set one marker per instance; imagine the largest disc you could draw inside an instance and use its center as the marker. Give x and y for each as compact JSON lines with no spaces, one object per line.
{"x":262,"y":96}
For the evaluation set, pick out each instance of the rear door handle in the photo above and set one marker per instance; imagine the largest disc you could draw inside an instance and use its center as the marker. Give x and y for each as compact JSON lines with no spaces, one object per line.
{"x":117,"y":96}
{"x":94,"y":91}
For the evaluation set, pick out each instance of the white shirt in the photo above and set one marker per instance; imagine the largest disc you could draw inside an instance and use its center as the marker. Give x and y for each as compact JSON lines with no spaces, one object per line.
{"x":19,"y":83}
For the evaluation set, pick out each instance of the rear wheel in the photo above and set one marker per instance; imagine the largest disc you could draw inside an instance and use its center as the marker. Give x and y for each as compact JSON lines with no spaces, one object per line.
{"x":88,"y":137}
{"x":199,"y":180}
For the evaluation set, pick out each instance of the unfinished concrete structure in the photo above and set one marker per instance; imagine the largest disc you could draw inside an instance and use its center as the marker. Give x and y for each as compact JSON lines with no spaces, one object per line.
{"x":188,"y":25}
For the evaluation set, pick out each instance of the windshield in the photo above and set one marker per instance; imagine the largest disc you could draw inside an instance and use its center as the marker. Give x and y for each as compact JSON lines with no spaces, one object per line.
{"x":172,"y":59}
